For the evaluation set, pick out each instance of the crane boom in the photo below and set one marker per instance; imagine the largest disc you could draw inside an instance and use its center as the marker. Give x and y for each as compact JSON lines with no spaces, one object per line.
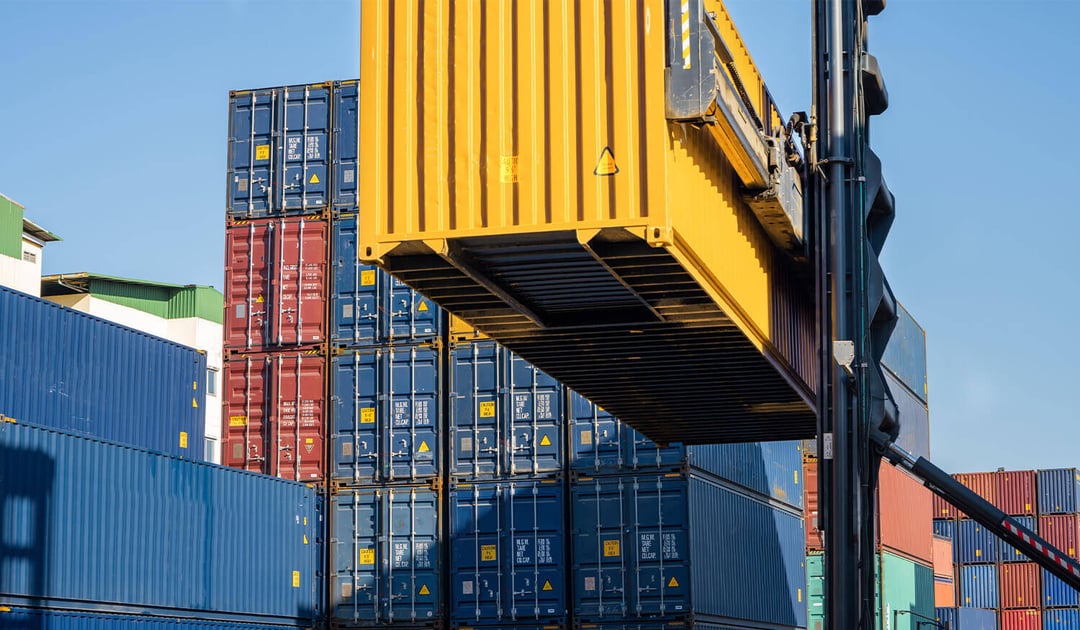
{"x":994,"y":520}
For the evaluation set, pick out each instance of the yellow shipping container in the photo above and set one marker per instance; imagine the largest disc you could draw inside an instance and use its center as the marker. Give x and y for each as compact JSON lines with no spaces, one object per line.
{"x":526,"y":166}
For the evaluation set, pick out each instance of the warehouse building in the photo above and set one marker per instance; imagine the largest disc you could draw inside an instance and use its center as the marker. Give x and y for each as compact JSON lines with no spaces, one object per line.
{"x":21,"y":245}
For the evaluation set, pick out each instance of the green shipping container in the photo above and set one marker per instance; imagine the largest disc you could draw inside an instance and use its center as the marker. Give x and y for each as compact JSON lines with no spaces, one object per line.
{"x":905,"y":593}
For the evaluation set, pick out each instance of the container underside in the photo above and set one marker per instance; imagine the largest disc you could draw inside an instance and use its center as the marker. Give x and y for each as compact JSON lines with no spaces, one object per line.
{"x":622,"y":323}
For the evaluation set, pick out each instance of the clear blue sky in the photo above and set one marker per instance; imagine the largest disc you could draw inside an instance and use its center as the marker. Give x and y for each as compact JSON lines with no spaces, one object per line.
{"x":113,"y":123}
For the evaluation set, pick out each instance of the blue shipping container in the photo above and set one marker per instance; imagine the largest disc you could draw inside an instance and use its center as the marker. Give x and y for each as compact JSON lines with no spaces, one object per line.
{"x":507,"y":553}
{"x":946,"y":528}
{"x":979,"y":586}
{"x":654,"y":546}
{"x":51,"y":619}
{"x":602,"y":444}
{"x":1058,"y":490}
{"x":385,"y":414}
{"x":279,"y":150}
{"x":370,"y":307}
{"x":914,"y":434}
{"x":65,"y":369}
{"x":1008,"y":553}
{"x":346,"y":144}
{"x":385,"y":556}
{"x":905,"y":354}
{"x":1056,"y":593}
{"x":88,"y":524}
{"x":967,"y":618}
{"x":506,"y":416}
{"x":1061,"y":619}
{"x":975,"y":544}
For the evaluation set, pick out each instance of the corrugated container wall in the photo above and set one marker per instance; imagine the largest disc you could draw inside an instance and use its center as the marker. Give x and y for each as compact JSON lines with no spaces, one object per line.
{"x":1018,"y":585}
{"x":914,"y":434}
{"x":345,"y":145}
{"x":975,"y":544}
{"x":1016,"y":492}
{"x":944,"y":592}
{"x":1061,"y":620}
{"x":905,"y":354}
{"x":273,"y":412}
{"x":370,"y":307}
{"x":1059,"y":490}
{"x":1062,"y":531}
{"x":50,"y":619}
{"x":1008,"y":553}
{"x":508,"y":552}
{"x":386,"y":414}
{"x":905,"y":593}
{"x":1029,"y":619}
{"x":943,"y":557}
{"x":1056,"y":593}
{"x":279,"y":150}
{"x":905,"y":516}
{"x":814,"y":538}
{"x":644,"y":547}
{"x":587,"y":244}
{"x":385,"y":554}
{"x":62,"y":368}
{"x":968,"y":618}
{"x":88,"y":524}
{"x":944,"y":509}
{"x":983,"y":484}
{"x":979,"y":586}
{"x":275,"y":284}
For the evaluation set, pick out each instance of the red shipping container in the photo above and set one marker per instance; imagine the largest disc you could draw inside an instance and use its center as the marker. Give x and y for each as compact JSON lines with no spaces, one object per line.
{"x":943,"y":509}
{"x":944,"y":593}
{"x":1018,"y":585}
{"x":275,"y":283}
{"x":1027,"y":619}
{"x":1061,"y":531}
{"x":982,"y":484}
{"x":273,"y":417}
{"x":905,"y":516}
{"x":1016,"y":492}
{"x":943,"y":558}
{"x":810,"y":500}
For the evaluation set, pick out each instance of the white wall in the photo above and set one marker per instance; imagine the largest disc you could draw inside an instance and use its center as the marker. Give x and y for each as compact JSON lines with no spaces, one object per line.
{"x":191,"y":331}
{"x":20,"y":274}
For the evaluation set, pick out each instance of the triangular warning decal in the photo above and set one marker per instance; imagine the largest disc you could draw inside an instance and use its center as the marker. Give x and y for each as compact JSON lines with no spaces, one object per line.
{"x":424,"y":590}
{"x":314,"y":179}
{"x":544,"y":441}
{"x":547,"y":585}
{"x":305,"y":539}
{"x":606,"y":164}
{"x":422,"y":307}
{"x":423,"y":447}
{"x":259,"y":300}
{"x":194,"y":404}
{"x":673,"y":582}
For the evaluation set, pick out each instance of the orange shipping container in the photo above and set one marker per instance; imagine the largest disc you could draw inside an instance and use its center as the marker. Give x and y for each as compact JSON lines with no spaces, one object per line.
{"x":905,"y":516}
{"x":943,"y":509}
{"x":943,"y":558}
{"x":810,"y":496}
{"x":944,"y":593}
{"x":1018,"y":585}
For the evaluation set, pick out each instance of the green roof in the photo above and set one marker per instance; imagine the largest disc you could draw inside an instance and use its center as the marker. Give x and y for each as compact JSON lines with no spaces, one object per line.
{"x":163,"y":299}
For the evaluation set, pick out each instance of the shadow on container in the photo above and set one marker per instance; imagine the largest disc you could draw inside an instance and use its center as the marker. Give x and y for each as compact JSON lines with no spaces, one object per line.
{"x":26,"y":481}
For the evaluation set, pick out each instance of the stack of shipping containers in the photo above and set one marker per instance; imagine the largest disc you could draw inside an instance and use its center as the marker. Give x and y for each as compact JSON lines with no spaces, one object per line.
{"x":905,"y":559}
{"x":108,"y":518}
{"x":990,"y":574}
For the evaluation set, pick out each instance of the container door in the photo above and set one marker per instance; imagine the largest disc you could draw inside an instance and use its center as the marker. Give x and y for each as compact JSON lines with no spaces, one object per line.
{"x":661,"y":576}
{"x":410,"y":555}
{"x":476,"y":407}
{"x":644,"y":454}
{"x":296,"y":416}
{"x":412,"y":317}
{"x":408,"y":392}
{"x":534,"y":519}
{"x":602,"y":560}
{"x":355,"y":595}
{"x":355,"y":407}
{"x":346,"y":145}
{"x":246,"y":432}
{"x":356,"y":312}
{"x":303,"y":171}
{"x":597,"y":436}
{"x":247,"y":287}
{"x":475,"y":554}
{"x":536,"y":418}
{"x":251,"y":154}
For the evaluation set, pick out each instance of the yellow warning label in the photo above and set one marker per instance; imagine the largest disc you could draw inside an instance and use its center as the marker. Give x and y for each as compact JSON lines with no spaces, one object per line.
{"x":606,"y":164}
{"x":195,"y":385}
{"x":422,"y":307}
{"x":237,"y":421}
{"x":978,"y":552}
{"x":183,"y":439}
{"x":799,"y":595}
{"x":259,"y":300}
{"x":546,"y":586}
{"x":545,"y":441}
{"x":314,"y":179}
{"x":262,"y":152}
{"x":305,"y":539}
{"x":367,"y":415}
{"x":424,"y":590}
{"x":488,"y":553}
{"x":672,"y":583}
{"x":423,"y":447}
{"x":487,"y":409}
{"x":367,"y":277}
{"x":508,"y":169}
{"x":309,"y":440}
{"x":367,"y":556}
{"x":296,"y":579}
{"x":611,"y":548}
{"x":1027,"y":507}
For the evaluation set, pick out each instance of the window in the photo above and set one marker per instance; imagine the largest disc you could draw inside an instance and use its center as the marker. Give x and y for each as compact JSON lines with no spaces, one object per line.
{"x":211,"y":382}
{"x":210,"y":451}
{"x":29,"y":256}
